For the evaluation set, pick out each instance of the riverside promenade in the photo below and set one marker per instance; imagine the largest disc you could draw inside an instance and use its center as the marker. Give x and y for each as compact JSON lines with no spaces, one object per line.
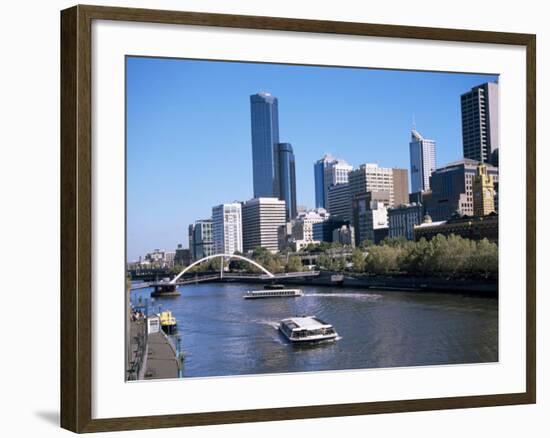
{"x":161,"y":360}
{"x":152,"y":356}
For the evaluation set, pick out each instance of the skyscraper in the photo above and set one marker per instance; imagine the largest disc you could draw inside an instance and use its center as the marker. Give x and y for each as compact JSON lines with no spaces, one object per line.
{"x":371,"y":178}
{"x":264,"y":116}
{"x":422,"y":154}
{"x":227,"y":228}
{"x":287,"y":178}
{"x":200,"y":239}
{"x":480,"y":138}
{"x":262,"y":218}
{"x":329,"y":171}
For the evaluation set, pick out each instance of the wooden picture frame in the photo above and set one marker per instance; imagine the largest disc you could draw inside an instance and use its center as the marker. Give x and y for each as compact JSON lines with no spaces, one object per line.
{"x":76,"y":217}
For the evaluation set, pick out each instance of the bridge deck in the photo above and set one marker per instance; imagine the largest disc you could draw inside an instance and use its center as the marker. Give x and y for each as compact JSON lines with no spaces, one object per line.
{"x":201,"y":278}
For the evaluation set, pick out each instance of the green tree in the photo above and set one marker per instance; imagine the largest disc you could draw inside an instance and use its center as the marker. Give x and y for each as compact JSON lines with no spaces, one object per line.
{"x":358,"y":260}
{"x":294,"y":264}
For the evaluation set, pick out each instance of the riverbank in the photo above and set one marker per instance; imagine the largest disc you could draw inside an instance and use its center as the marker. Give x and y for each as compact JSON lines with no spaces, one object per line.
{"x":398,"y":283}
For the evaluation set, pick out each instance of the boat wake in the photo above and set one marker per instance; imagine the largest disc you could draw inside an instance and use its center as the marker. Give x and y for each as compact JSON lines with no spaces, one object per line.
{"x":363,"y":296}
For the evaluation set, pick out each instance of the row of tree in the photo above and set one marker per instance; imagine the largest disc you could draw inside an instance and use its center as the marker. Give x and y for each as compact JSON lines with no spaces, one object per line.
{"x":448,"y":256}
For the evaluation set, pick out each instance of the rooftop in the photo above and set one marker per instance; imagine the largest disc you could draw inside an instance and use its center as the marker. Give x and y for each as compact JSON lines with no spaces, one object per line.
{"x":307,"y":322}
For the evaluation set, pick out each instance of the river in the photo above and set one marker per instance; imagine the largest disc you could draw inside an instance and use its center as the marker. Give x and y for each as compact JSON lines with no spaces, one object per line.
{"x":223,"y":334}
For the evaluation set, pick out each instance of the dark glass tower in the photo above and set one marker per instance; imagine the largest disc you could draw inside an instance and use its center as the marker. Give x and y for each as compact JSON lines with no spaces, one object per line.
{"x":264,"y":116}
{"x":287,"y":178}
{"x":480,"y":132}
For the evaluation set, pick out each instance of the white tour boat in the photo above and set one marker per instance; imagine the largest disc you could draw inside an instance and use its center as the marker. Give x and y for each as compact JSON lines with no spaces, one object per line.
{"x":307,"y":329}
{"x":273,"y":293}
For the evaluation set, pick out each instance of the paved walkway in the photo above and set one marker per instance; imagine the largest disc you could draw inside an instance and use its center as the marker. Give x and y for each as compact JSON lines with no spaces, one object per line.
{"x":161,"y":361}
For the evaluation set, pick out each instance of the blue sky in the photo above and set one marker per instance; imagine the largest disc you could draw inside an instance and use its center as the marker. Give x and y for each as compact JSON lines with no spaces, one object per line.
{"x":188,"y":131}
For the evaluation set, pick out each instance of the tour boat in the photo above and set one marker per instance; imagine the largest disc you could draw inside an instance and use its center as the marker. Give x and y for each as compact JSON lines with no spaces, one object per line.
{"x":307,"y":329}
{"x":273,"y":293}
{"x":168,"y":322}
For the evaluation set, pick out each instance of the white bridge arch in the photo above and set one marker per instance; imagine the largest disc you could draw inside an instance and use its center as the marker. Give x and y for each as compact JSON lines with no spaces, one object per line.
{"x":222,"y":256}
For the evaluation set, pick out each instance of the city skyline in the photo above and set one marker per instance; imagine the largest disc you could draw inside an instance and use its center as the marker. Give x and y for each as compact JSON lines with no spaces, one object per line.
{"x":169,"y":166}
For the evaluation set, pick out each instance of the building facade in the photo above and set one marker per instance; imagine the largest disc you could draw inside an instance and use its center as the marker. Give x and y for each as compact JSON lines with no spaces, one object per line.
{"x":372,"y":178}
{"x":262,"y":218}
{"x":287,"y":178}
{"x":422,"y":157}
{"x":403,"y":219}
{"x":473,"y":228}
{"x":452,"y":189}
{"x":369,"y":214}
{"x":483,"y":189}
{"x":183,"y":256}
{"x":322,"y":231}
{"x":339,"y":201}
{"x":344,"y":235}
{"x":328,"y":171}
{"x":264,"y":114}
{"x":227,"y":232}
{"x":201,"y":241}
{"x":480,"y":131}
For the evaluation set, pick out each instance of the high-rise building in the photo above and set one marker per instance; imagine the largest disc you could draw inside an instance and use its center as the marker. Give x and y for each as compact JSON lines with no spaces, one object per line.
{"x":287,"y":178}
{"x":264,"y":116}
{"x":369,"y":214}
{"x":480,"y":133}
{"x":227,"y":228}
{"x":483,"y":189}
{"x":339,"y":201}
{"x":371,"y":178}
{"x":329,"y":171}
{"x":201,"y":242}
{"x":452,"y":189}
{"x":422,"y":155}
{"x":403,"y":219}
{"x":262,"y":218}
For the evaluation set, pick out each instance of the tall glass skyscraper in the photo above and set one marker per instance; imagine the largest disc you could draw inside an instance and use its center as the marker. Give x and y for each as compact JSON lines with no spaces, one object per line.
{"x":264,"y":114}
{"x":422,"y":154}
{"x":287,"y":178}
{"x":480,"y":134}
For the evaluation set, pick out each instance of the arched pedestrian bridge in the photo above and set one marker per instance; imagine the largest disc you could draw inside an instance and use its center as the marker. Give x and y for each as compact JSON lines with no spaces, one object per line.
{"x":168,"y":288}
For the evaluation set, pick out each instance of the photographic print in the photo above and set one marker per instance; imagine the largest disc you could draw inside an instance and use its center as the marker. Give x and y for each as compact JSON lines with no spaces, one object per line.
{"x":296,"y":218}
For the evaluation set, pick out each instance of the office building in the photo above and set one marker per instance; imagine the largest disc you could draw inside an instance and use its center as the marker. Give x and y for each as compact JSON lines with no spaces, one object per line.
{"x":183,"y":256}
{"x":369,"y":214}
{"x":422,"y":156}
{"x":339,"y":201}
{"x":302,"y":229}
{"x":262,"y":218}
{"x":452,"y":189}
{"x":264,"y":114}
{"x":365,"y":220}
{"x":287,"y":178}
{"x":329,"y":171}
{"x":403,"y":219}
{"x":227,"y":228}
{"x":372,"y":178}
{"x":344,"y":235}
{"x":480,"y":114}
{"x":322,"y":231}
{"x":483,"y":189}
{"x":201,"y":243}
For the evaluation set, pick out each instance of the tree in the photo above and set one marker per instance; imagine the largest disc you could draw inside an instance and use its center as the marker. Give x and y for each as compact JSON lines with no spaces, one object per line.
{"x":358,"y":260}
{"x":294,"y":264}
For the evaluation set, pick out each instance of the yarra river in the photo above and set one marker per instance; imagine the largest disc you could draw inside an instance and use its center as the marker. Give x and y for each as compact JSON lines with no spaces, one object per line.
{"x":223,"y":334}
